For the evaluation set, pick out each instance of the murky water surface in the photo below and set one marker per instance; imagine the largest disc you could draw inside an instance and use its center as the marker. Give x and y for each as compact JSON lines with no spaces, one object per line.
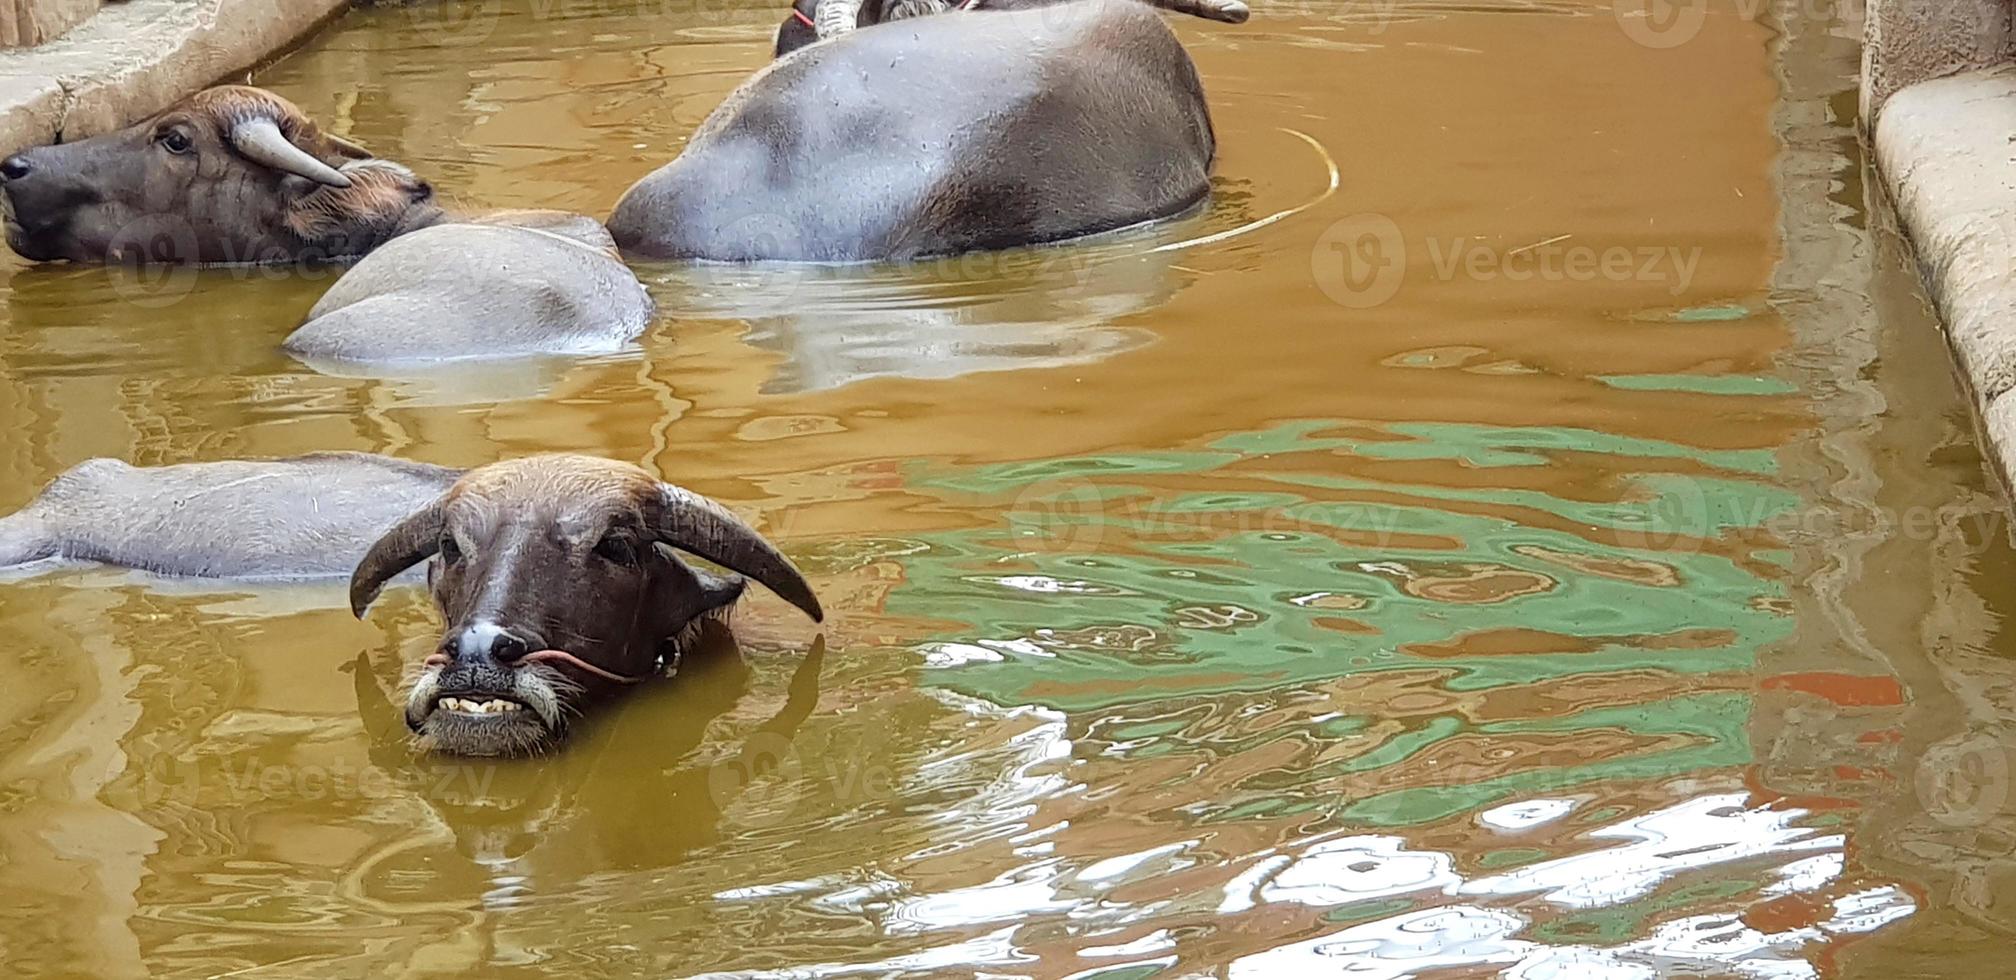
{"x":1558,"y":550}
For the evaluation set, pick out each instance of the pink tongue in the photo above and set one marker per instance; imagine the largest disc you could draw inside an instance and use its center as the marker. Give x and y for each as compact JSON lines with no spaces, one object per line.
{"x":562,"y":656}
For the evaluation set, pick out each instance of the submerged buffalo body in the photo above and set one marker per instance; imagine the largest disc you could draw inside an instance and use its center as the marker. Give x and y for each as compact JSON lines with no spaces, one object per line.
{"x":938,"y":135}
{"x":236,"y":175}
{"x":560,"y":291}
{"x":306,"y":517}
{"x":816,"y":20}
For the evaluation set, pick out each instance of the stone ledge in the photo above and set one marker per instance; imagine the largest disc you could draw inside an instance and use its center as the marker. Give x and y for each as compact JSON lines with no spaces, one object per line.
{"x":1947,"y":152}
{"x":134,"y":58}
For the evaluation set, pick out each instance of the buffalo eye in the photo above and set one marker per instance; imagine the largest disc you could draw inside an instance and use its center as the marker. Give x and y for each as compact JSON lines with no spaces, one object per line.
{"x":175,"y":141}
{"x":451,"y":553}
{"x":617,"y":547}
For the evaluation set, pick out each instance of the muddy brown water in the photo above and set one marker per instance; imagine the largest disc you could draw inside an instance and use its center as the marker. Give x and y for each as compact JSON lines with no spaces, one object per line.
{"x":1559,"y":551}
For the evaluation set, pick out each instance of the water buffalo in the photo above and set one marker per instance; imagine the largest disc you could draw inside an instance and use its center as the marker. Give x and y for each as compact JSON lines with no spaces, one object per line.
{"x":235,"y":175}
{"x":945,"y":134}
{"x":556,"y":580}
{"x":306,"y":517}
{"x":558,"y":289}
{"x":813,"y":20}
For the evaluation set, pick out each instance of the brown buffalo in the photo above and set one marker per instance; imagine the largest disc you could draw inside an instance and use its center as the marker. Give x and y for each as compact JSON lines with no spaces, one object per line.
{"x":556,"y":581}
{"x":236,"y":175}
{"x":229,"y":175}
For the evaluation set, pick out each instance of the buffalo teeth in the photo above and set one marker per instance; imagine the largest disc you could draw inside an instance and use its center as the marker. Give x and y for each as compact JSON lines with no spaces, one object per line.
{"x":491,"y":707}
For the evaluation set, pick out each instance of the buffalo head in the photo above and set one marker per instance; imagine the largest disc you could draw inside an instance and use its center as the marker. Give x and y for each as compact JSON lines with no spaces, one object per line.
{"x":228,"y":175}
{"x":556,"y":581}
{"x":816,"y":20}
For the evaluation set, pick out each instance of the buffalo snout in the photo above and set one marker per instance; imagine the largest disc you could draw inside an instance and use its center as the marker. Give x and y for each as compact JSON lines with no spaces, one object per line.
{"x":42,"y":195}
{"x":488,"y":641}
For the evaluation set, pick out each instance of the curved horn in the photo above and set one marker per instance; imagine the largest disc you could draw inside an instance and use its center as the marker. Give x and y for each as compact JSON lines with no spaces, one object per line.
{"x":831,"y":18}
{"x":1222,"y":11}
{"x":690,"y":522}
{"x":410,"y":542}
{"x":260,"y":139}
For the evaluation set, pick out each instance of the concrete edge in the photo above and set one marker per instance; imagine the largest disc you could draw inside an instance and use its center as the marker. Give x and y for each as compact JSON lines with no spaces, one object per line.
{"x":135,"y":58}
{"x":1946,"y":150}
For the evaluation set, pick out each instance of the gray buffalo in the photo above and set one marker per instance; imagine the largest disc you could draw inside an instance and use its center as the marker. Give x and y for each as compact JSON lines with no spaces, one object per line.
{"x":557,"y":581}
{"x":813,"y":20}
{"x":937,"y":135}
{"x":546,"y":288}
{"x":235,"y":175}
{"x":309,"y":516}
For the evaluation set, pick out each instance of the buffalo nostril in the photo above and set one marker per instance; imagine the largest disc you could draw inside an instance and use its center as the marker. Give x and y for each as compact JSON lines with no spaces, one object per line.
{"x":15,"y":167}
{"x":508,"y":648}
{"x":488,"y":641}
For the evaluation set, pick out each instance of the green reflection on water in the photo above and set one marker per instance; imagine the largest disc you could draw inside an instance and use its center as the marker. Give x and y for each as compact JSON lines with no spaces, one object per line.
{"x":1126,"y":581}
{"x":1707,"y":384}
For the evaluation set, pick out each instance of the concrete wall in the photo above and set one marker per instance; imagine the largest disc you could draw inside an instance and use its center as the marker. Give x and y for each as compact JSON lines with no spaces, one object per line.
{"x":135,"y":57}
{"x":24,"y":23}
{"x":1909,"y":41}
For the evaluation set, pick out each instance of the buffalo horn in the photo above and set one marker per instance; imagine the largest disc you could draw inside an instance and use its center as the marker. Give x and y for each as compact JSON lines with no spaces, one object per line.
{"x":692,"y":523}
{"x":1223,"y":11}
{"x":831,"y":18}
{"x":410,"y":542}
{"x":260,"y":139}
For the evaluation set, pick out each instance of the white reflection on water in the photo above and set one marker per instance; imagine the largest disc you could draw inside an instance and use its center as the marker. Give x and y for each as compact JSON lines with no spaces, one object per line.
{"x":1525,"y":815}
{"x":1700,"y":832}
{"x":1342,"y":871}
{"x":837,"y":325}
{"x":1468,"y":936}
{"x":1710,"y":830}
{"x":1486,"y":923}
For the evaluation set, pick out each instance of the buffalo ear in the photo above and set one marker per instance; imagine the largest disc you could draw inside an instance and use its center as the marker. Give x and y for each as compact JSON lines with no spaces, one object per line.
{"x":716,"y":591}
{"x":348,"y":149}
{"x":719,"y":591}
{"x":409,"y":542}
